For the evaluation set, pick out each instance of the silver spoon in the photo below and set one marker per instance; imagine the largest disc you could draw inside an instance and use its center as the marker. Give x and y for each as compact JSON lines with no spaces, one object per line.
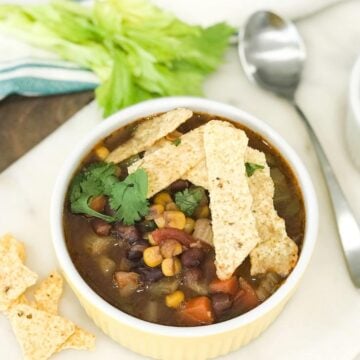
{"x":272,"y":54}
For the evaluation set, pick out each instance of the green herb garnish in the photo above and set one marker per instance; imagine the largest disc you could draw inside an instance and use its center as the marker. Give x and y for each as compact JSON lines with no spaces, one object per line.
{"x":189,"y":199}
{"x":176,"y":142}
{"x":252,"y":167}
{"x":137,"y":50}
{"x":127,"y":198}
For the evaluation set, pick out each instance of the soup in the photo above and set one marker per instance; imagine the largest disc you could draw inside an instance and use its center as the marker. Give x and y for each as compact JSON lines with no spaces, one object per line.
{"x":162,"y":268}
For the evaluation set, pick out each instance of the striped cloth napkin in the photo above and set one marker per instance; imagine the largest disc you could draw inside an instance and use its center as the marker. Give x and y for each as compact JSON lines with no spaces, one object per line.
{"x":28,"y":71}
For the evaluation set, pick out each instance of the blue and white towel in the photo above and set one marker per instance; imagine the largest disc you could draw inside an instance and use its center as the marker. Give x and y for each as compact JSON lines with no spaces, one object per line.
{"x":32,"y":72}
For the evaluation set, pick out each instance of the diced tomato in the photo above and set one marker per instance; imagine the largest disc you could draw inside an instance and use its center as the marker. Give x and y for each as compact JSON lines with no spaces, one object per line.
{"x":229,"y":286}
{"x":246,"y":298}
{"x":197,"y":311}
{"x":160,"y":235}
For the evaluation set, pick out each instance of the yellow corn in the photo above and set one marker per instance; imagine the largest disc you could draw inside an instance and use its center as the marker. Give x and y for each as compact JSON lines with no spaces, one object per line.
{"x":171,"y":206}
{"x":202,"y":212}
{"x":174,"y":299}
{"x":162,"y":198}
{"x":189,"y":225}
{"x":174,"y":219}
{"x":102,"y":152}
{"x":151,"y":239}
{"x":155,"y":211}
{"x":170,"y":248}
{"x":160,"y":221}
{"x":171,"y":266}
{"x":152,"y":256}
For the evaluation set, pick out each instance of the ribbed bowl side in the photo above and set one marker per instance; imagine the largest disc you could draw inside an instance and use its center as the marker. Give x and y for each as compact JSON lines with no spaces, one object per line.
{"x":179,"y":348}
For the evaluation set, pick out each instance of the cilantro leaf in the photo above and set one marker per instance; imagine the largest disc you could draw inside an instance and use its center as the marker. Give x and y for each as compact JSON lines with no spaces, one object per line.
{"x":176,"y":142}
{"x":251,"y":168}
{"x":189,"y":199}
{"x":90,"y":183}
{"x":128,"y":198}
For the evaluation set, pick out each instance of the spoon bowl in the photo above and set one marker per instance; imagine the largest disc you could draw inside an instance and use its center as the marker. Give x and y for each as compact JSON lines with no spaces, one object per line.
{"x":272,"y":53}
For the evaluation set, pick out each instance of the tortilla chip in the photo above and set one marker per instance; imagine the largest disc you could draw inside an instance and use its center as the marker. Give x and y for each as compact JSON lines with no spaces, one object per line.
{"x":198,"y":175}
{"x":39,"y":333}
{"x":8,"y":242}
{"x":79,"y":340}
{"x":48,"y":293}
{"x":276,"y":255}
{"x":234,"y":225}
{"x":148,"y":132}
{"x":171,"y":162}
{"x":15,"y":277}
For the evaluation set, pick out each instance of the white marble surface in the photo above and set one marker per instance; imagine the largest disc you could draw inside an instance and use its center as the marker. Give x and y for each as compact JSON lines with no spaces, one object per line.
{"x":322,"y":320}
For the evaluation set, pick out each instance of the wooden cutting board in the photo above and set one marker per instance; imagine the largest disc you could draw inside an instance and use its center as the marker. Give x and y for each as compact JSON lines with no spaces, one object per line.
{"x":25,"y":121}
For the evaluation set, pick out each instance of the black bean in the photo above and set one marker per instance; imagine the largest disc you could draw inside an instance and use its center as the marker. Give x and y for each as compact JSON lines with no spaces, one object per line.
{"x":192,"y":257}
{"x":221,"y":302}
{"x":150,"y":275}
{"x":179,"y":185}
{"x":136,"y":251}
{"x":127,"y":233}
{"x":100,"y":227}
{"x":146,"y":226}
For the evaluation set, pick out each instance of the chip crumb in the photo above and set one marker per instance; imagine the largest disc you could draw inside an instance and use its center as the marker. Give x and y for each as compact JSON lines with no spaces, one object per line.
{"x":148,"y":132}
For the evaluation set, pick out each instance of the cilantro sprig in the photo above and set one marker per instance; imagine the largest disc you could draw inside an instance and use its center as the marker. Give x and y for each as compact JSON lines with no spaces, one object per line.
{"x":127,"y":198}
{"x":252,"y":167}
{"x":189,"y":199}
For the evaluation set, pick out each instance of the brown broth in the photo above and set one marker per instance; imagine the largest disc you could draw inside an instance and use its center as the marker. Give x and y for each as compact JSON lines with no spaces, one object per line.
{"x":288,"y":202}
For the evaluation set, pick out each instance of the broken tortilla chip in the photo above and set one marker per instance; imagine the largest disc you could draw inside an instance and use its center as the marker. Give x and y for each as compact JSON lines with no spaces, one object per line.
{"x":79,"y":340}
{"x":15,"y":277}
{"x":171,"y":162}
{"x":39,"y":333}
{"x":148,"y":132}
{"x":48,"y":293}
{"x":276,"y":255}
{"x":234,"y":226}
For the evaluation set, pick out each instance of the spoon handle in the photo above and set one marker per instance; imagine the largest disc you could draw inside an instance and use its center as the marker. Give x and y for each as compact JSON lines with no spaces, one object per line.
{"x":348,"y":227}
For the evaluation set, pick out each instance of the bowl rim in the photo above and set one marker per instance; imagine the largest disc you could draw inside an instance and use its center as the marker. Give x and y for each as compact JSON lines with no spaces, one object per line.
{"x":146,"y":108}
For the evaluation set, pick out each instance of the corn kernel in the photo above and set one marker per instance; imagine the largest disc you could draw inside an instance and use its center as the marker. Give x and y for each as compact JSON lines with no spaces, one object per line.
{"x":162,"y":198}
{"x":152,"y":256}
{"x":155,"y":211}
{"x":151,"y":239}
{"x":174,"y":219}
{"x":102,"y":152}
{"x":171,"y":206}
{"x":160,"y":222}
{"x":202,"y":212}
{"x":173,"y":135}
{"x":171,"y":266}
{"x":174,"y":299}
{"x":189,"y":225}
{"x":170,"y":248}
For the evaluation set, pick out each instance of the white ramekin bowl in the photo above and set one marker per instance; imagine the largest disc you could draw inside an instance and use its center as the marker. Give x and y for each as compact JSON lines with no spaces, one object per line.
{"x":167,"y":342}
{"x":353,"y":116}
